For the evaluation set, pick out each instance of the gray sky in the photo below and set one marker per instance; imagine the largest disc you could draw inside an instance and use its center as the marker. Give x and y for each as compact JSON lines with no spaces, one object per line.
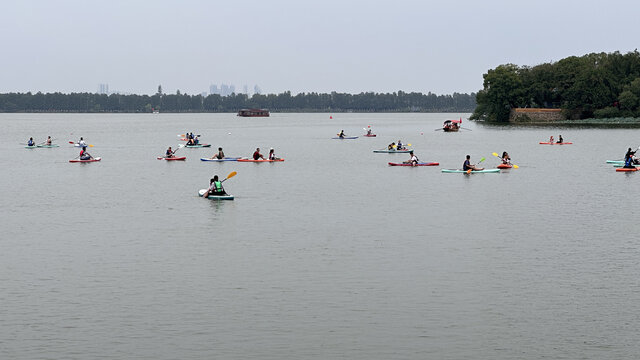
{"x":297,"y":45}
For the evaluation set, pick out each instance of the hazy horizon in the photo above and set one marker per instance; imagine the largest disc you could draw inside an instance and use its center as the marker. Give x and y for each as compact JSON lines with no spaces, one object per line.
{"x":348,"y":47}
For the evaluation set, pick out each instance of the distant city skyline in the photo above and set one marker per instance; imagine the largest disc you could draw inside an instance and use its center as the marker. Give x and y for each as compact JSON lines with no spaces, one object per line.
{"x":284,"y":45}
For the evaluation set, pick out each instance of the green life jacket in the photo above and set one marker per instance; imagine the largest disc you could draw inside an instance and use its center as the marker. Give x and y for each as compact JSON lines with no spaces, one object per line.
{"x":218,"y":186}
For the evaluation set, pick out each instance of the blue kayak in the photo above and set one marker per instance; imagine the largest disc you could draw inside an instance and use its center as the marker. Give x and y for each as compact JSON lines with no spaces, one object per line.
{"x":345,"y":138}
{"x":223,"y":159}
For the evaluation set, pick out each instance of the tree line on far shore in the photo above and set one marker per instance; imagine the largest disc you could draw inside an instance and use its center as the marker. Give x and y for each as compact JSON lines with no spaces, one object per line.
{"x":597,"y":85}
{"x":284,"y":102}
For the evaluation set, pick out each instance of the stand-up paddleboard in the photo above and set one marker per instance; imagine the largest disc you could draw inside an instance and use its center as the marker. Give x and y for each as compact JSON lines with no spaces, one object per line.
{"x":345,"y":138}
{"x":223,"y":159}
{"x":172,"y":158}
{"x":259,"y":160}
{"x":418,"y":164}
{"x":548,"y":143}
{"x":472,"y":171}
{"x":85,"y":161}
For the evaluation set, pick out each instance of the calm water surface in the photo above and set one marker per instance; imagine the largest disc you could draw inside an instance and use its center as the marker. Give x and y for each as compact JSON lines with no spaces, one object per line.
{"x":330,"y":254}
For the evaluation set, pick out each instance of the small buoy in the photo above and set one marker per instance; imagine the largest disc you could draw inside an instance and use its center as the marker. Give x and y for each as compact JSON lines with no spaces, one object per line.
{"x":229,"y":133}
{"x":330,"y":117}
{"x":368,"y":125}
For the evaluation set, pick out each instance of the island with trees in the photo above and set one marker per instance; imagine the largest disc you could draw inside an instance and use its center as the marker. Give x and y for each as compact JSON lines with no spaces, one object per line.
{"x":593,"y":86}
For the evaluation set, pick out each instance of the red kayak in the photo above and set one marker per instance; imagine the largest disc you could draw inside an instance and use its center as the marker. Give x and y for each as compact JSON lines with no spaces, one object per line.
{"x":504,"y":166}
{"x":562,"y":143}
{"x":418,"y":164}
{"x":259,"y":160}
{"x":84,"y":161}
{"x":172,"y":158}
{"x":626,"y":169}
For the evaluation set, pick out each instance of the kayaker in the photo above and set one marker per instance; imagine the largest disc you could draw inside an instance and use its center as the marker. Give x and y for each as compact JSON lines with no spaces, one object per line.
{"x":169,"y":153}
{"x":469,"y":166}
{"x":551,"y":140}
{"x":369,"y":131}
{"x":82,"y":143}
{"x":505,"y":158}
{"x":219,"y":155}
{"x":413,"y":160}
{"x":48,"y":142}
{"x":215,"y":187}
{"x":257,"y":155}
{"x":341,"y":135}
{"x":399,"y":146}
{"x":391,"y":146}
{"x":84,"y":155}
{"x":272,"y":155}
{"x":560,"y":141}
{"x":629,"y":160}
{"x":31,"y":142}
{"x":196,"y":141}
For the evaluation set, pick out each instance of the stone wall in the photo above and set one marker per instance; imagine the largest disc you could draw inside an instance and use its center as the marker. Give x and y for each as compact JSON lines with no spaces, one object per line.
{"x":533,"y":115}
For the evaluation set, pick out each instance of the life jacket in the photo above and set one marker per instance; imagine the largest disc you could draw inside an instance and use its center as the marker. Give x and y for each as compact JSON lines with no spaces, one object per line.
{"x":30,"y":143}
{"x":217,"y":187}
{"x":628,"y":162}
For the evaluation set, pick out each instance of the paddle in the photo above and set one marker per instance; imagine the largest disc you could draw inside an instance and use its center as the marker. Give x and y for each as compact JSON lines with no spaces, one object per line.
{"x":469,"y":171}
{"x":231,"y":174}
{"x":498,"y":156}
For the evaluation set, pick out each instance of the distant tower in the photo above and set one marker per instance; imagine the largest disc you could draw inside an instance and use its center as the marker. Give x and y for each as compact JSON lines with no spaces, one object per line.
{"x":213,"y":89}
{"x":103,"y":89}
{"x":232,"y":89}
{"x":224,"y":90}
{"x":256,"y":89}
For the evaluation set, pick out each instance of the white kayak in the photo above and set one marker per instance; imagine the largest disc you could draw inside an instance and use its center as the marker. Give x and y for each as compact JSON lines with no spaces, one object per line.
{"x":215,"y":197}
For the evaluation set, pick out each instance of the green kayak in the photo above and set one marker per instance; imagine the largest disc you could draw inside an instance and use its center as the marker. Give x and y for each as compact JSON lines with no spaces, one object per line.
{"x":473,"y":171}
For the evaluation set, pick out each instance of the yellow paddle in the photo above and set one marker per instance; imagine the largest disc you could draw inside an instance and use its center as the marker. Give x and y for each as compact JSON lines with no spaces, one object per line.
{"x":231,"y":174}
{"x":498,"y":156}
{"x":469,"y":171}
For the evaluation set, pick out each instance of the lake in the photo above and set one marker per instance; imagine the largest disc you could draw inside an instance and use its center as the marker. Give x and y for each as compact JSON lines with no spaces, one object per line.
{"x":329,"y":254}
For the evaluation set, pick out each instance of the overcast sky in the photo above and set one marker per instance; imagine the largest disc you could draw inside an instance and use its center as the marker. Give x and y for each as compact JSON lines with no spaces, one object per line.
{"x":301,"y":46}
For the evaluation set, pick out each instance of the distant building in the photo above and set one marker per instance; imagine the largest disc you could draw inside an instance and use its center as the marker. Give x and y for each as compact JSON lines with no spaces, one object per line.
{"x":103,"y":89}
{"x":213,"y":89}
{"x":245,"y":89}
{"x":256,"y":89}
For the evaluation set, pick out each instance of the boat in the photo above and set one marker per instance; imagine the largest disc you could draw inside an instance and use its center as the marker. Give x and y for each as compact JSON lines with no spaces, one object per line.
{"x":622,"y":169}
{"x":556,"y":143}
{"x":198,"y":146}
{"x":504,"y":166}
{"x":42,"y":146}
{"x":223,"y":159}
{"x":404,"y":151}
{"x":172,"y":158}
{"x":85,"y":161}
{"x":472,"y":171}
{"x":253,"y":113}
{"x":615,"y":161}
{"x":259,"y":160}
{"x":201,"y":192}
{"x":451,"y":125}
{"x":345,"y":138}
{"x":418,"y":164}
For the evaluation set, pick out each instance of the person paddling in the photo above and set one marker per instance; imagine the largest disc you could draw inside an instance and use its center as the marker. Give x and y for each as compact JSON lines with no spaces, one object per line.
{"x":31,"y":142}
{"x":391,"y":146}
{"x":505,"y":158}
{"x":551,"y":140}
{"x":399,"y":146}
{"x":84,"y":155}
{"x":215,"y":187}
{"x":169,"y":153}
{"x":257,"y":155}
{"x":341,"y":135}
{"x":469,"y":166}
{"x":48,"y":142}
{"x":560,"y":140}
{"x":81,"y":143}
{"x":629,"y":159}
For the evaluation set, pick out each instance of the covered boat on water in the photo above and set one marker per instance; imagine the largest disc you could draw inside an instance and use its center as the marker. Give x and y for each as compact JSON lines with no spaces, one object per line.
{"x":253,"y":113}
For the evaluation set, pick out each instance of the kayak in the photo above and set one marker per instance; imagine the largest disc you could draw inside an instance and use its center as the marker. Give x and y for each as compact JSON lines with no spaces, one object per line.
{"x":42,"y":146}
{"x":615,"y":161}
{"x":472,"y":171}
{"x":172,"y":158}
{"x":85,"y":161}
{"x":198,"y":146}
{"x":504,"y":166}
{"x":370,"y":135}
{"x":392,"y":151}
{"x":215,"y":197}
{"x":345,"y":138}
{"x":563,"y":143}
{"x":622,"y":165}
{"x":223,"y":159}
{"x":418,"y":164}
{"x":627,"y":169}
{"x":259,"y":160}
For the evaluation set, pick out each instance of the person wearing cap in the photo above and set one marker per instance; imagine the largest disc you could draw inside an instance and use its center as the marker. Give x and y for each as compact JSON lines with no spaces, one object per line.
{"x":272,"y":155}
{"x":257,"y":155}
{"x":413,"y":160}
